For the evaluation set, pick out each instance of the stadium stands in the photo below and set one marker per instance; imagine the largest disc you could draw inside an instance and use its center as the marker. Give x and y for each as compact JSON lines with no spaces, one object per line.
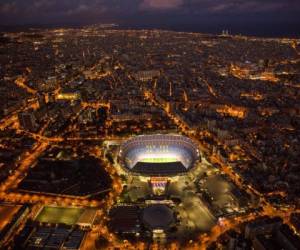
{"x":159,"y":154}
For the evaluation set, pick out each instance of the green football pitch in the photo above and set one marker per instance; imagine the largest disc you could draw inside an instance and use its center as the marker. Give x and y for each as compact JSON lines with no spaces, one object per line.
{"x":159,"y":160}
{"x":63,"y":215}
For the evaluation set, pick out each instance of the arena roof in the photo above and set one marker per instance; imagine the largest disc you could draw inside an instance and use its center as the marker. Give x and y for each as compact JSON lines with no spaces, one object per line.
{"x":159,"y":169}
{"x":158,"y":216}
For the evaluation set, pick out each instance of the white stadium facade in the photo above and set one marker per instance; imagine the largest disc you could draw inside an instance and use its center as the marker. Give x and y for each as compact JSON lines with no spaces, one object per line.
{"x":158,"y":155}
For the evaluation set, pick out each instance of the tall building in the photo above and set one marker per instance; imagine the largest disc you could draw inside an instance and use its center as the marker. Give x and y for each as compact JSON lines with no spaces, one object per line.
{"x":51,"y":98}
{"x":27,"y":121}
{"x":88,"y":116}
{"x":41,"y":100}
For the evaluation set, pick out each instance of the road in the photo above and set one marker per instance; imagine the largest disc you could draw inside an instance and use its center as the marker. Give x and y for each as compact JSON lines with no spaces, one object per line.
{"x":204,"y":241}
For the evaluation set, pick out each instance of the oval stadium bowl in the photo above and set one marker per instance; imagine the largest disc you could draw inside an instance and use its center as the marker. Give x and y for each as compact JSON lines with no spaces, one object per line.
{"x":159,"y":155}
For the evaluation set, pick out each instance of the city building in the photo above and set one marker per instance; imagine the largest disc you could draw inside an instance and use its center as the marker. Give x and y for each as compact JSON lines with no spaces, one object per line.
{"x":27,"y":120}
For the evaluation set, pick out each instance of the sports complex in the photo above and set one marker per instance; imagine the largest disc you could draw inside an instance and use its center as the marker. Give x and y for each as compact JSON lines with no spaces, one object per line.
{"x":158,"y":169}
{"x":158,"y":155}
{"x":66,"y":215}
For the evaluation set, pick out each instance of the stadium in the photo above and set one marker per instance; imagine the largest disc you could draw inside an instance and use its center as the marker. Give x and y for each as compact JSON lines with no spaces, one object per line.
{"x":158,"y":155}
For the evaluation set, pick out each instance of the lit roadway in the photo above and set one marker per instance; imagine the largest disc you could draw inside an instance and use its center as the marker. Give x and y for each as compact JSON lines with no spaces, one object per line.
{"x":8,"y":188}
{"x":205,"y":240}
{"x":13,"y":117}
{"x":9,"y":192}
{"x":20,"y":82}
{"x":29,"y":158}
{"x":209,"y":87}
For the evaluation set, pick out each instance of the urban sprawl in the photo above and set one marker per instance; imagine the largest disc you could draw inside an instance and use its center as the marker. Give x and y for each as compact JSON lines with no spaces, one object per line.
{"x":148,"y":139}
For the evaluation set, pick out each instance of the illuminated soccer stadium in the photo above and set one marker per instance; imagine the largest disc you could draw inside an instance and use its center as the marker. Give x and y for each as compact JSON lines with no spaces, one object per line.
{"x":158,"y":155}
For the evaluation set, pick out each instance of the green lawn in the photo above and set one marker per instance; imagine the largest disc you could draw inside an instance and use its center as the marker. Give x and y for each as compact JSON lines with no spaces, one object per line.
{"x":159,"y":160}
{"x":54,"y":215}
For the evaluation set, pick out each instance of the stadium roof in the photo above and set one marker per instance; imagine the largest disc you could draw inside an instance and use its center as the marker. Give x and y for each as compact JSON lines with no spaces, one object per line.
{"x":159,"y":169}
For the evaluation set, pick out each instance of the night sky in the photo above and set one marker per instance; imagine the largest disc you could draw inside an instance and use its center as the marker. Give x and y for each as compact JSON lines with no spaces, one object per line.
{"x":254,"y":17}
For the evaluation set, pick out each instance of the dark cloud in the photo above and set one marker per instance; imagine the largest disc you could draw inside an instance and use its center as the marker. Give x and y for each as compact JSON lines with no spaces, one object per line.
{"x":148,"y":11}
{"x":246,"y":6}
{"x":160,"y":4}
{"x":47,"y":8}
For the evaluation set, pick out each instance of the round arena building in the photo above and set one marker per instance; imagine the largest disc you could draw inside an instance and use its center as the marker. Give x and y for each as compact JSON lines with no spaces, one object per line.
{"x":159,"y":155}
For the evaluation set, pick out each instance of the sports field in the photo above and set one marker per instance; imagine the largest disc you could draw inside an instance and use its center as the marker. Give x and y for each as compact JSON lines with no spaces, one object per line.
{"x":159,"y":160}
{"x":63,"y":215}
